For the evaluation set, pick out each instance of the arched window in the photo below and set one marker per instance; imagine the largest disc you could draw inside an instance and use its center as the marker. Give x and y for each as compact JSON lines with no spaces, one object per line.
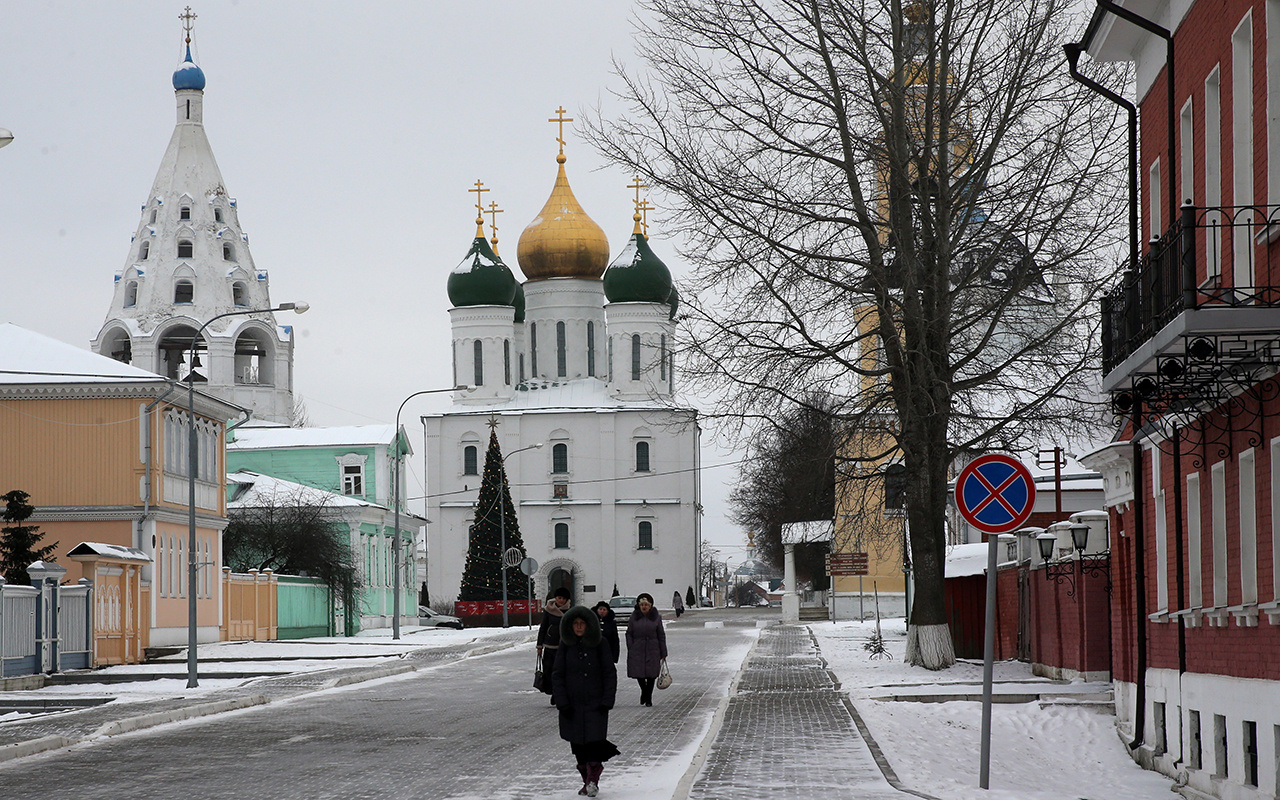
{"x":560,"y":458}
{"x":144,"y":250}
{"x":470,"y":463}
{"x":478,"y":358}
{"x":228,"y":252}
{"x":185,"y":248}
{"x":184,"y":292}
{"x":217,"y":215}
{"x":642,"y":456}
{"x":184,"y":213}
{"x":506,"y":361}
{"x":662,"y":368}
{"x":644,"y":538}
{"x":561,"y":365}
{"x":562,"y":536}
{"x":533,"y":350}
{"x":591,"y":349}
{"x":635,"y":356}
{"x":131,"y":294}
{"x":239,"y":293}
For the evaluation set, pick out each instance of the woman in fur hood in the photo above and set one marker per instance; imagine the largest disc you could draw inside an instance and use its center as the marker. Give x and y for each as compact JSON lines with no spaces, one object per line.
{"x":584,"y":683}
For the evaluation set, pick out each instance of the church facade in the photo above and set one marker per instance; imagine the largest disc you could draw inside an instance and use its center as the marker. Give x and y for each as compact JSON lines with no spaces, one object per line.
{"x":574,"y":369}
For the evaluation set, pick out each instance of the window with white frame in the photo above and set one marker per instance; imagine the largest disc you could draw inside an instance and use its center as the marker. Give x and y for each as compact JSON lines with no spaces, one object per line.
{"x":477,"y":348}
{"x":635,"y":356}
{"x":562,"y":362}
{"x":1218,"y":515}
{"x":1242,"y":156}
{"x":561,"y":536}
{"x":1162,"y":555}
{"x":470,"y":459}
{"x":1195,"y":552}
{"x":642,"y":456}
{"x":560,"y":458}
{"x":1248,"y":529}
{"x":1213,"y":241}
{"x":351,"y":474}
{"x":1273,"y":101}
{"x":1187,"y":154}
{"x":177,"y":446}
{"x":591,"y":349}
{"x":1154,"y":202}
{"x":644,"y":535}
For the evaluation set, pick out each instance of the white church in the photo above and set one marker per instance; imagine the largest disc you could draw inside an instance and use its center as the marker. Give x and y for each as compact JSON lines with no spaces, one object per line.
{"x":577,"y":359}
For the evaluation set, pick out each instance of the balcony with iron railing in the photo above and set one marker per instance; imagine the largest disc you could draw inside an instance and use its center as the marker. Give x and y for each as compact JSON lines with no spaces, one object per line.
{"x":1212,"y":272}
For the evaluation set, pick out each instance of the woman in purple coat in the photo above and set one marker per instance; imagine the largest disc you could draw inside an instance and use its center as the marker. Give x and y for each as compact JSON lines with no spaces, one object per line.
{"x":646,"y":646}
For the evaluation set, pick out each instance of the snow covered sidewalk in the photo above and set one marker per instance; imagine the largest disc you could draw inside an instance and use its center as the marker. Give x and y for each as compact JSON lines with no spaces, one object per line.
{"x":1051,"y":740}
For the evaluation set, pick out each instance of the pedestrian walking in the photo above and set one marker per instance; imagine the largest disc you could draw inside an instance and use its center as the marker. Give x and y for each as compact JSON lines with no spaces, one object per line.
{"x":646,"y":646}
{"x":609,"y":628}
{"x":677,"y":602}
{"x":549,"y":633}
{"x":585,"y":684}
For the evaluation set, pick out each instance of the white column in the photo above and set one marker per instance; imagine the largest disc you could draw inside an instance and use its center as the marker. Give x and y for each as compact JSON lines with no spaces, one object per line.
{"x":790,"y":597}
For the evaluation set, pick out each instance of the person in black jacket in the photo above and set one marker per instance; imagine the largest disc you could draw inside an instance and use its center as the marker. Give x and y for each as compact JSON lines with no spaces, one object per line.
{"x":584,"y":685}
{"x":549,"y":633}
{"x":609,"y":628}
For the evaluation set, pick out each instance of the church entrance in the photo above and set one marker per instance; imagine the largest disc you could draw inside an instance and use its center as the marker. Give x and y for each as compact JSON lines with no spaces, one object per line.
{"x":561,"y":578}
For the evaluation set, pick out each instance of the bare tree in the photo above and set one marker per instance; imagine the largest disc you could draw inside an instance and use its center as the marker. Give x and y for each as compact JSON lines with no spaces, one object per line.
{"x":907,"y":205}
{"x":296,"y":535}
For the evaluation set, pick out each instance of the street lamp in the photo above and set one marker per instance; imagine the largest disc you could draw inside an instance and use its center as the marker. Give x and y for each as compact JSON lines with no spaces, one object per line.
{"x":502,"y":528}
{"x":395,"y":495}
{"x":193,"y":462}
{"x":5,"y":137}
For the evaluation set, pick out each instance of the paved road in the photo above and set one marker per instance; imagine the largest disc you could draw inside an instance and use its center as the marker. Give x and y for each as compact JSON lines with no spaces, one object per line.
{"x":473,"y":729}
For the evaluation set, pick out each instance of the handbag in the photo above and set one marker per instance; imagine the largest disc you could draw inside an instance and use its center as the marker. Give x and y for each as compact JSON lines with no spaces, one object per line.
{"x":664,"y":676}
{"x":539,"y":678}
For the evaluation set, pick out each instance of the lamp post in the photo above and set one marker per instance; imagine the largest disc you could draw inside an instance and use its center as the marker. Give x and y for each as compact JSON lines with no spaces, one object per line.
{"x":5,"y":137}
{"x":502,"y":528}
{"x":395,"y":495}
{"x":193,"y":462}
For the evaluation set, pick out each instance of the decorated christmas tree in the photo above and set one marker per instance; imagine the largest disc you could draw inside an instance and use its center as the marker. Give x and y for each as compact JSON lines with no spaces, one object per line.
{"x":495,"y":514}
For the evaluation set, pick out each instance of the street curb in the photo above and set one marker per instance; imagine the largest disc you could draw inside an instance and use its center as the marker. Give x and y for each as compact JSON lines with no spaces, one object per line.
{"x":886,"y":769}
{"x":175,"y":715}
{"x":23,"y":749}
{"x":372,"y":674}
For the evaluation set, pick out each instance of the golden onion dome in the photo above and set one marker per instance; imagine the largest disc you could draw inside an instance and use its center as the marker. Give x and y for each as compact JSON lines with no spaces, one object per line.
{"x":562,"y":241}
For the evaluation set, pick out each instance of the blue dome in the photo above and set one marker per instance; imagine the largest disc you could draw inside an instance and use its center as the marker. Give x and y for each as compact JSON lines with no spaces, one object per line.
{"x":188,"y":75}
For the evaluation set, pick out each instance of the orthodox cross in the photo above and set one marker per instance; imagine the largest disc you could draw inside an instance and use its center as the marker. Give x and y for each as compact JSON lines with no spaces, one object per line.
{"x":561,"y":119}
{"x":188,"y":22}
{"x":643,"y":207}
{"x":493,"y":213}
{"x":478,"y":190}
{"x":638,"y":185}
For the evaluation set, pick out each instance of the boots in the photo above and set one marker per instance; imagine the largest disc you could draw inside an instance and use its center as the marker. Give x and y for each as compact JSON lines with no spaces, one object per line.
{"x":585,"y":771}
{"x":594,"y":769}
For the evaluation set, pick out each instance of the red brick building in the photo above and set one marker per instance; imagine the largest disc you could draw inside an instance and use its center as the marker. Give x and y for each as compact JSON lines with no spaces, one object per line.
{"x":1191,"y":352}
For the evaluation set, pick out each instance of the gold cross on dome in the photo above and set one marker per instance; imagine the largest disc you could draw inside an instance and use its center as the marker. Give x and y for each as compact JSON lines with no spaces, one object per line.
{"x":561,"y":119}
{"x":644,"y":208}
{"x":478,"y":190}
{"x":188,"y":21}
{"x":638,"y":185}
{"x":493,"y":212}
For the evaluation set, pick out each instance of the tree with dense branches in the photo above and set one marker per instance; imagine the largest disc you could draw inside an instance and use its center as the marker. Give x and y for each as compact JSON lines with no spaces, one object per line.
{"x":907,"y":204}
{"x":19,"y":543}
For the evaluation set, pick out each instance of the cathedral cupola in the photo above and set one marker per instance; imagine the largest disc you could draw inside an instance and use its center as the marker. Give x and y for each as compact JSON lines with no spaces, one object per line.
{"x":637,"y":275}
{"x":562,"y":241}
{"x":188,"y":75}
{"x":481,"y":278}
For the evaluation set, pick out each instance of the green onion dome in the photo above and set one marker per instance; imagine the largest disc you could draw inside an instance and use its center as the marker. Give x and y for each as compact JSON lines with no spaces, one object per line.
{"x":637,"y":275}
{"x":481,"y":279}
{"x":519,"y":302}
{"x":673,"y":300}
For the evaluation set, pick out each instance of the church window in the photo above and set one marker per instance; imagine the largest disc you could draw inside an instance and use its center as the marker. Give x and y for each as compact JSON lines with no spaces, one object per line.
{"x":591,"y":349}
{"x":560,"y":458}
{"x":131,"y":294}
{"x":353,"y":479}
{"x":239,"y":293}
{"x":144,"y":250}
{"x":217,"y":215}
{"x":184,"y":213}
{"x":642,"y":456}
{"x":662,"y":361}
{"x":185,"y":248}
{"x":562,"y":536}
{"x":470,"y":462}
{"x":228,"y":252}
{"x":635,"y":356}
{"x":478,"y":352}
{"x":533,"y":349}
{"x":153,"y":216}
{"x":522,"y":367}
{"x":184,"y":292}
{"x":644,"y":538}
{"x":506,"y":361}
{"x":610,"y":364}
{"x":561,"y":366}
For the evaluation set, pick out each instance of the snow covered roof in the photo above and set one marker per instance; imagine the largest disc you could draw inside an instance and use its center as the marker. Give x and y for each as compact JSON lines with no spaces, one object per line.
{"x":966,"y":559}
{"x":256,"y":490}
{"x":109,"y":551}
{"x":818,"y":530}
{"x":272,"y":438}
{"x":27,"y":357}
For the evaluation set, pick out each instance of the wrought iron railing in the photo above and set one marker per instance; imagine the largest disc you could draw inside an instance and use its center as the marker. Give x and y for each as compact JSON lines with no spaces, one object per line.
{"x":1231,"y":243}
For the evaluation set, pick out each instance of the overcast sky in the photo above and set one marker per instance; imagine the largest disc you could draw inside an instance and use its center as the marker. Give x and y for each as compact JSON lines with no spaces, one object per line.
{"x":348,"y":133}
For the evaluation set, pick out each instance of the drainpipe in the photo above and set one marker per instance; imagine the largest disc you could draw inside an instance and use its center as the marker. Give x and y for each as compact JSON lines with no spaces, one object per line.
{"x":1140,"y":581}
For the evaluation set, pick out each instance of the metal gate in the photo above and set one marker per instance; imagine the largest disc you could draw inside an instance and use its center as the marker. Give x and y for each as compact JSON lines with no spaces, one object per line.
{"x":45,"y":627}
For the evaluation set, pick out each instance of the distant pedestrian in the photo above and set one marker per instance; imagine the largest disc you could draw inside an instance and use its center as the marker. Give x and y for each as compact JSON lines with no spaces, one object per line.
{"x":609,"y":628}
{"x":585,"y":684}
{"x":677,"y":603}
{"x":549,"y":633}
{"x":646,"y":646}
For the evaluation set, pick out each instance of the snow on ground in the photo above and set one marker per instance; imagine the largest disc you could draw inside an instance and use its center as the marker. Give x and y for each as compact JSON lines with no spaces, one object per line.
{"x":1062,"y":749}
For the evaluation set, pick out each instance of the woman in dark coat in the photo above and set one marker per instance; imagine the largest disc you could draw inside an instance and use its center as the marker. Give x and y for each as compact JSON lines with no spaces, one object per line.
{"x":646,"y":646}
{"x":549,"y":634}
{"x":584,"y":684}
{"x":609,"y":628}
